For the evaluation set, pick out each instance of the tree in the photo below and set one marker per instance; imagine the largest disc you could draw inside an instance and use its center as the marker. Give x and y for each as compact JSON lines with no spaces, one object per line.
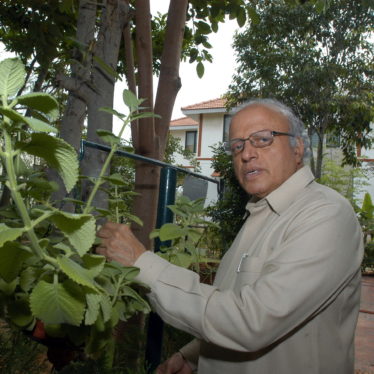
{"x":319,"y":63}
{"x":146,"y":50}
{"x":149,"y":45}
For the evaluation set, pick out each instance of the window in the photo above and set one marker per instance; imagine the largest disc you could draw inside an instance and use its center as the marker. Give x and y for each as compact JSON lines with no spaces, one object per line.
{"x":191,"y":141}
{"x":226,"y":127}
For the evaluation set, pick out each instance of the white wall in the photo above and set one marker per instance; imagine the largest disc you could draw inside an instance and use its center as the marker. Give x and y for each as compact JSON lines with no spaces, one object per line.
{"x":212,"y":132}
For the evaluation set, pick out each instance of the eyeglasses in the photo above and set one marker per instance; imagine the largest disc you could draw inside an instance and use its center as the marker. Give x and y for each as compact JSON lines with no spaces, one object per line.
{"x":259,"y":139}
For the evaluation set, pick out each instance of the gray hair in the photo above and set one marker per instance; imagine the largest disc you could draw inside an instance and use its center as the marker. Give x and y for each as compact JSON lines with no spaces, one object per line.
{"x":296,"y":126}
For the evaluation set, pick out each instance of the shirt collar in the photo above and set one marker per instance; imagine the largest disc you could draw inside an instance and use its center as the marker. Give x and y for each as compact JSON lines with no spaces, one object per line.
{"x":281,"y":198}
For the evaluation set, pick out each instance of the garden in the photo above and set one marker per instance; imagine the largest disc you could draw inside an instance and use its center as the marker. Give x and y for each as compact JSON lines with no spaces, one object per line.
{"x":63,"y":308}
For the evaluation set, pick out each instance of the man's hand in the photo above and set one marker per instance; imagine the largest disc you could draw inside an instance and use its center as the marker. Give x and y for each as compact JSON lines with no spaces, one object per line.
{"x":118,"y":243}
{"x":176,"y":364}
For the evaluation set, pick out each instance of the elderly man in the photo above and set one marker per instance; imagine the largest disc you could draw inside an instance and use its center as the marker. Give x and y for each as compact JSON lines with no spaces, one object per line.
{"x":286,"y":296}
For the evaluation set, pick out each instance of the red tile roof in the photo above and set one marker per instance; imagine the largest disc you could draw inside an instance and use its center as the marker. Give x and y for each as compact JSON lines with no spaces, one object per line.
{"x":210,"y":104}
{"x":184,"y":121}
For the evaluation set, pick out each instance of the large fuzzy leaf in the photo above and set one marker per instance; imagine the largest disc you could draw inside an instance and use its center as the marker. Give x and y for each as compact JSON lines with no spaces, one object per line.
{"x":12,"y":76}
{"x":8,"y":233}
{"x":76,"y":272}
{"x":78,"y":228}
{"x":58,"y":303}
{"x":42,"y":102}
{"x":34,"y":123}
{"x":12,"y":257}
{"x":58,"y":154}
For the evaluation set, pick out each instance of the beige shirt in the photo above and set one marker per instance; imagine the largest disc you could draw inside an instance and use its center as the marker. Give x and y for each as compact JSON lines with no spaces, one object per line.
{"x":286,"y":295}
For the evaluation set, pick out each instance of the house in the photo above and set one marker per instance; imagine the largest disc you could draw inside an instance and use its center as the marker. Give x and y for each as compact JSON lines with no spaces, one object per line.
{"x":207,"y":123}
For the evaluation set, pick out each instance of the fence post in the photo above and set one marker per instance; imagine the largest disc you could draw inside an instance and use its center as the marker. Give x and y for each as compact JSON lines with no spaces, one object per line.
{"x":168,"y":182}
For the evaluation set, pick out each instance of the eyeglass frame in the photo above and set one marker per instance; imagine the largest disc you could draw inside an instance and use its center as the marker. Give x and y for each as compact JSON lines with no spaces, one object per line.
{"x":273,"y":133}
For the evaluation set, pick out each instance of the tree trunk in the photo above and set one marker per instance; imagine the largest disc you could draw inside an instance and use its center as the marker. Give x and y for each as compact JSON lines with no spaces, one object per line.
{"x":101,"y":91}
{"x":146,"y":175}
{"x":75,"y":110}
{"x":169,"y":81}
{"x":152,"y":134}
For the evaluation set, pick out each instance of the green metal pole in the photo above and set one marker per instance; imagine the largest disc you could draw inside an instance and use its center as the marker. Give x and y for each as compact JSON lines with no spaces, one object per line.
{"x":168,"y":183}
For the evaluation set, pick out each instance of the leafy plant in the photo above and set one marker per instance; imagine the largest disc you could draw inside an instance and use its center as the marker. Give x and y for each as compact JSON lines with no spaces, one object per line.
{"x":186,"y":234}
{"x":348,"y":181}
{"x":48,"y":271}
{"x":366,"y":217}
{"x":227,"y":212}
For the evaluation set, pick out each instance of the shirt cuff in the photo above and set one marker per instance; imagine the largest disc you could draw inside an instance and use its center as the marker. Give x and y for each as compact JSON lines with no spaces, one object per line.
{"x":190,"y":352}
{"x":151,"y":266}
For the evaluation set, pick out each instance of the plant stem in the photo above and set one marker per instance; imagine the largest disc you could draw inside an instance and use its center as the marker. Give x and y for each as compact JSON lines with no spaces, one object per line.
{"x":18,"y":200}
{"x":103,"y":170}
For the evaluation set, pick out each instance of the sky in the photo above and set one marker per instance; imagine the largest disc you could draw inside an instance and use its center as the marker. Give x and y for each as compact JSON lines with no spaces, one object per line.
{"x":217,"y":76}
{"x":212,"y":85}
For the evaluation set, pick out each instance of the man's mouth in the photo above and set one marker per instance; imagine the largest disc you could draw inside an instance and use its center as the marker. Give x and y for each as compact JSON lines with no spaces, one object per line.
{"x":252,"y":172}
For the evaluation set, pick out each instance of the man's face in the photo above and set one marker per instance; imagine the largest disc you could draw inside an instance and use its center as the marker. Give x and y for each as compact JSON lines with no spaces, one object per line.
{"x":262,"y":170}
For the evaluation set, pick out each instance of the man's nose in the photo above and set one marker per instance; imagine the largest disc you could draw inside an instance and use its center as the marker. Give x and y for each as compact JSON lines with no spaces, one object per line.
{"x":249,"y":151}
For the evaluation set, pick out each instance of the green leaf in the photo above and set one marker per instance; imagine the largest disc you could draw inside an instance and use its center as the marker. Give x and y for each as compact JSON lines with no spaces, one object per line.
{"x":182,"y":259}
{"x":19,"y":312}
{"x":203,"y":27}
{"x":106,"y":307}
{"x":12,"y":76}
{"x":78,"y":228}
{"x":93,"y":308}
{"x":38,"y":125}
{"x":115,"y":179}
{"x":145,"y":115}
{"x":42,"y":102}
{"x":8,"y":233}
{"x":200,"y":69}
{"x":255,"y":18}
{"x":194,"y":235}
{"x":108,"y":137}
{"x":134,"y":218}
{"x":94,"y":264}
{"x":76,"y":272}
{"x":154,"y":234}
{"x":58,"y":303}
{"x":28,"y":278}
{"x":170,"y":231}
{"x":241,"y":16}
{"x":58,"y":154}
{"x":130,"y":100}
{"x":8,"y":288}
{"x":12,"y":257}
{"x":112,"y":112}
{"x":35,"y":124}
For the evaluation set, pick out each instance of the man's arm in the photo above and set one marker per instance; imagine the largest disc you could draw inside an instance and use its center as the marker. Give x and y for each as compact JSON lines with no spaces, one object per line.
{"x":306,"y":272}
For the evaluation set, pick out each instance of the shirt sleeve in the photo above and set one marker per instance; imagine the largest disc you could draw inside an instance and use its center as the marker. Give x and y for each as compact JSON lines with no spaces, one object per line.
{"x":318,"y":255}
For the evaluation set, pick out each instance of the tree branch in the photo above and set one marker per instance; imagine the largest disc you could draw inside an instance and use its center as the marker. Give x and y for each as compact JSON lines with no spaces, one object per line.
{"x":169,"y":81}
